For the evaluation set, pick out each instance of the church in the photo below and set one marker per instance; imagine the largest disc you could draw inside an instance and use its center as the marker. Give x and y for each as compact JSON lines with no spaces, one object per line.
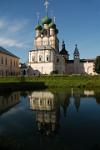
{"x":46,"y":58}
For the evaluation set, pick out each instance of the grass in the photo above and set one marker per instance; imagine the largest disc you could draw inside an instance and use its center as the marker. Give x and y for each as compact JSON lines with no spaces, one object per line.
{"x":57,"y":81}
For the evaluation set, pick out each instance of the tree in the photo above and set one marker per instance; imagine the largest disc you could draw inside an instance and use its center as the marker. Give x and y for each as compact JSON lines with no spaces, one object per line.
{"x":97,"y":65}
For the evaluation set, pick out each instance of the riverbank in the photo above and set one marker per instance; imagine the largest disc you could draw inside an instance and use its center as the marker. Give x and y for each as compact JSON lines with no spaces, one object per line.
{"x":21,"y":86}
{"x":58,"y":81}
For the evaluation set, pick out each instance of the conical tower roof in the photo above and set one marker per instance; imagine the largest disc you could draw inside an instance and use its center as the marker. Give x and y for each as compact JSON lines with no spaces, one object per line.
{"x":63,"y":51}
{"x":76,"y":51}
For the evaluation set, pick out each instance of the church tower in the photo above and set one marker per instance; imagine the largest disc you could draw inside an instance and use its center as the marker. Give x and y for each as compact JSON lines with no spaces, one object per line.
{"x":64,"y":52}
{"x":76,"y":60}
{"x":45,"y":58}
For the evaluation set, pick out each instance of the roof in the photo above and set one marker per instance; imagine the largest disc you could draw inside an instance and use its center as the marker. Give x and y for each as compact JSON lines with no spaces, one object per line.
{"x":52,"y":25}
{"x":2,"y":50}
{"x":38,"y":27}
{"x":87,"y":60}
{"x":63,"y":50}
{"x":23,"y":66}
{"x":46,"y":20}
{"x":81,"y":60}
{"x":76,"y":51}
{"x":42,"y":48}
{"x":70,"y":61}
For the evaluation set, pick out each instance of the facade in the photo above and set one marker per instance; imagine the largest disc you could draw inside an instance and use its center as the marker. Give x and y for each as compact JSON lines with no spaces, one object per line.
{"x":46,"y":58}
{"x":9,"y":63}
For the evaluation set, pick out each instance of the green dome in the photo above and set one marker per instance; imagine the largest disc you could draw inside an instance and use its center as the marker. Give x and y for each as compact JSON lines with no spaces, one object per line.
{"x":52,"y":25}
{"x":38,"y":27}
{"x":46,"y":20}
{"x":57,"y":31}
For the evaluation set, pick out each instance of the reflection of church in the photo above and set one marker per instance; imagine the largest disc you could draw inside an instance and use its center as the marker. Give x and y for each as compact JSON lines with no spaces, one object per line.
{"x":47,"y":58}
{"x":49,"y":107}
{"x":8,"y":101}
{"x":47,"y":111}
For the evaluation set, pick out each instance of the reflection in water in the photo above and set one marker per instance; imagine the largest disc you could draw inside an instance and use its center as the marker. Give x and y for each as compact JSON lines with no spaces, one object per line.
{"x":88,"y":93}
{"x":64,"y":120}
{"x":47,"y":111}
{"x":77,"y":96}
{"x":8,"y":101}
{"x":47,"y":107}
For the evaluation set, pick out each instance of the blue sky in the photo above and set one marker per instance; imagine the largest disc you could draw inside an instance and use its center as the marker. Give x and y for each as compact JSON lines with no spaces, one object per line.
{"x":78,"y":22}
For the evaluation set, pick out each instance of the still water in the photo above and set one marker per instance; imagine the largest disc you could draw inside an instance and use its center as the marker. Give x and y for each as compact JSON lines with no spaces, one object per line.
{"x":50,"y":120}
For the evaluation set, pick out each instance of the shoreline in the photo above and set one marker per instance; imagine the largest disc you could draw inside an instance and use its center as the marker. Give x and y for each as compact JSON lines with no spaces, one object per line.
{"x":46,"y":82}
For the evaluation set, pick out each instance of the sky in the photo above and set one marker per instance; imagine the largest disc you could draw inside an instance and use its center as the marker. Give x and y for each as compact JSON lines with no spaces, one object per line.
{"x":78,"y":22}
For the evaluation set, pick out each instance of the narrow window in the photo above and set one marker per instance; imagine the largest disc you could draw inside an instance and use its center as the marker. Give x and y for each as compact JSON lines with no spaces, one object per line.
{"x":1,"y":60}
{"x":40,"y":58}
{"x":5,"y":61}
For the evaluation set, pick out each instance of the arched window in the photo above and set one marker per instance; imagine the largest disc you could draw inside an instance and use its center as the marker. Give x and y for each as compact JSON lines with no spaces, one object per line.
{"x":33,"y":58}
{"x":47,"y":58}
{"x":40,"y":58}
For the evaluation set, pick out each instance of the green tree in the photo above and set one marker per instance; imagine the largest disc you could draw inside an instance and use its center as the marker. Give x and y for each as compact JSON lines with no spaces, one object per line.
{"x":97,"y":64}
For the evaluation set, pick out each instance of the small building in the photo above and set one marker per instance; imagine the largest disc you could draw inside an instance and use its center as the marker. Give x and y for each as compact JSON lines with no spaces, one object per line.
{"x":26,"y":70}
{"x":9,"y":63}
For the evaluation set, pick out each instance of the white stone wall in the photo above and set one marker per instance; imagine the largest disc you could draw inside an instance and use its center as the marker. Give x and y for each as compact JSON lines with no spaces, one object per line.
{"x":46,"y":61}
{"x":42,"y":68}
{"x":80,"y":68}
{"x":89,"y":67}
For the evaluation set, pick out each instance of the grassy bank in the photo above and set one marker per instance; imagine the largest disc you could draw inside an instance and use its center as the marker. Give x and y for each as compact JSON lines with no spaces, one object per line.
{"x":56,"y":81}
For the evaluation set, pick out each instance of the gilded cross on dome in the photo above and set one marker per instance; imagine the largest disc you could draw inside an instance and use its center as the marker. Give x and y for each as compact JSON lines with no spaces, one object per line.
{"x":46,"y":3}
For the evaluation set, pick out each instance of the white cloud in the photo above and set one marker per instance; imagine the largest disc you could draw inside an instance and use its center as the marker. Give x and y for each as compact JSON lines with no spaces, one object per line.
{"x":12,"y":32}
{"x":10,"y":43}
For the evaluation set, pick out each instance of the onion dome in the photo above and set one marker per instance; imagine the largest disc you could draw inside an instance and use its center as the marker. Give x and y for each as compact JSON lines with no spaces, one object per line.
{"x":52,"y":25}
{"x":76,"y":51}
{"x":57,"y":31}
{"x":38,"y":27}
{"x":64,"y":51}
{"x":46,"y":20}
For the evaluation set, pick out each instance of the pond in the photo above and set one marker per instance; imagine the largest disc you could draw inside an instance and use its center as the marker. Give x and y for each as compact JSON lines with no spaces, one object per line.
{"x":49,"y":120}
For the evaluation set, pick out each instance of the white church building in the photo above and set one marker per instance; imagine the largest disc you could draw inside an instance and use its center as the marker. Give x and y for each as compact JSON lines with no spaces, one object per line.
{"x":47,"y":58}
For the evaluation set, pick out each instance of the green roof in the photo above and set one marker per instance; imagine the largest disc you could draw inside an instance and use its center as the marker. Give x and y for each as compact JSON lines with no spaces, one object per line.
{"x":57,"y":31}
{"x":38,"y":27}
{"x":52,"y":25}
{"x":2,"y":50}
{"x":46,"y":20}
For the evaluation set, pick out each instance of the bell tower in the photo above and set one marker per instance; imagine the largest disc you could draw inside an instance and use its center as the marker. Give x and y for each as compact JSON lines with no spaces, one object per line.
{"x":46,"y":32}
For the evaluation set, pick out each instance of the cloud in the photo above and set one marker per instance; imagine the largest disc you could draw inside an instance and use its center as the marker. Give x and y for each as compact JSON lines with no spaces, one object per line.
{"x":10,"y":43}
{"x":12,"y":32}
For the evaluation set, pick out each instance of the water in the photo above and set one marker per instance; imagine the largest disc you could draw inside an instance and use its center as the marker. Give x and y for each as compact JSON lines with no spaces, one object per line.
{"x":67,"y":120}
